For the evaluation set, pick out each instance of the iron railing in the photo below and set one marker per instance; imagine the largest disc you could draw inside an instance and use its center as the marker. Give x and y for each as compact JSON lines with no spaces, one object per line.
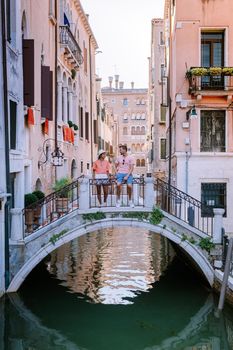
{"x":208,"y":81}
{"x":51,"y":208}
{"x":67,"y":39}
{"x":110,"y":187}
{"x":184,"y":207}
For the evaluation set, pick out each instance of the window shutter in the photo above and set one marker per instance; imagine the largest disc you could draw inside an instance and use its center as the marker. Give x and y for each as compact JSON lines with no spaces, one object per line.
{"x":45,"y":93}
{"x":95,"y":132}
{"x":28,"y":72}
{"x":50,"y":116}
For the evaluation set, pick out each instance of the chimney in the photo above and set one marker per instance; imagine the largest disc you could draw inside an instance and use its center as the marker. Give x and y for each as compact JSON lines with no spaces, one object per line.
{"x":116,"y":81}
{"x":132,"y":84}
{"x":121,"y":83}
{"x":110,"y":79}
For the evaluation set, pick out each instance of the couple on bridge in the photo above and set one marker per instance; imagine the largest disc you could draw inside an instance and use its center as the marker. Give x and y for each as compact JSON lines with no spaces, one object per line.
{"x":124,"y":165}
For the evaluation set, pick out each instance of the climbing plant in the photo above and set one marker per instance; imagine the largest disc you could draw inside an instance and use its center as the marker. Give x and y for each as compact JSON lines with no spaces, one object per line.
{"x":206,"y":244}
{"x":156,"y":216}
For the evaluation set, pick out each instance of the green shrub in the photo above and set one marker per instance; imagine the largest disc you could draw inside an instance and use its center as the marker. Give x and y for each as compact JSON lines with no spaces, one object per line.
{"x":75,"y":126}
{"x":206,"y":244}
{"x":156,"y":216}
{"x":70,"y":123}
{"x":140,"y":215}
{"x":39,"y":194}
{"x":99,"y":215}
{"x":29,"y":199}
{"x":60,"y":184}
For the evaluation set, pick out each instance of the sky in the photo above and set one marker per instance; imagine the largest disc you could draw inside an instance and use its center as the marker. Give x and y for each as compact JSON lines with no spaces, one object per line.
{"x":122,"y":29}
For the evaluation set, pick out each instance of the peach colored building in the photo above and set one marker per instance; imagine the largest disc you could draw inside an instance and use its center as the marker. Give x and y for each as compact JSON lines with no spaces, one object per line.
{"x":129,"y":108}
{"x":199,"y":67}
{"x":157,"y":112}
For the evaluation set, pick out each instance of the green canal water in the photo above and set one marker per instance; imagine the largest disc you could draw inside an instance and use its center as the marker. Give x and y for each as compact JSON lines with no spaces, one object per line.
{"x":114,"y":290}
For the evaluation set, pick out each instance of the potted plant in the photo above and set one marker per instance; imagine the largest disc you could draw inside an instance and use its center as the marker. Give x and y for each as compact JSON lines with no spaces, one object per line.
{"x":75,"y":126}
{"x":63,"y":194}
{"x":215,"y":70}
{"x":37,"y":210}
{"x":70,"y":123}
{"x":29,"y":200}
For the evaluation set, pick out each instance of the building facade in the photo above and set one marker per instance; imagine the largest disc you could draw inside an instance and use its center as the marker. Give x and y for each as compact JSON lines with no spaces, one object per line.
{"x":157,"y":109}
{"x":129,"y":109}
{"x":199,"y":66}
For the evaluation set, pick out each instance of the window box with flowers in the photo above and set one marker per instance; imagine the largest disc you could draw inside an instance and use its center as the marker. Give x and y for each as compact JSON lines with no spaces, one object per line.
{"x":227,"y":71}
{"x":199,"y":71}
{"x":215,"y":70}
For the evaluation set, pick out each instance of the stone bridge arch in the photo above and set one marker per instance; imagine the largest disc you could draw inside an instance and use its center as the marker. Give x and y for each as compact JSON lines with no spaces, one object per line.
{"x":35,"y":257}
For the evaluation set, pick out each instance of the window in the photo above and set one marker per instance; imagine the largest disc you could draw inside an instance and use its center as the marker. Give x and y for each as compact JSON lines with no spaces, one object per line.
{"x":125,"y":131}
{"x":125,"y":116}
{"x":87,"y":126}
{"x":162,"y":148}
{"x":143,"y":130}
{"x":143,"y":102}
{"x":143,"y":116}
{"x":213,"y":195}
{"x":213,"y":131}
{"x":133,"y":130}
{"x":85,"y":57}
{"x":133,"y":147}
{"x":161,"y":38}
{"x":81,"y":122}
{"x":212,"y":55}
{"x":13,"y":124}
{"x":125,"y":102}
{"x":138,"y":117}
{"x":95,"y":131}
{"x":138,"y":102}
{"x":138,"y":147}
{"x":162,"y":114}
{"x":81,"y":167}
{"x":138,"y":162}
{"x":113,"y":101}
{"x":133,"y":117}
{"x":162,"y":71}
{"x":138,"y":130}
{"x":51,"y":8}
{"x":143,"y":163}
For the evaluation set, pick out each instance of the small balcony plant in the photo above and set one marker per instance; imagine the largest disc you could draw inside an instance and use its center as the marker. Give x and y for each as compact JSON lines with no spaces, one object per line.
{"x":199,"y":71}
{"x":227,"y":70}
{"x":215,"y":70}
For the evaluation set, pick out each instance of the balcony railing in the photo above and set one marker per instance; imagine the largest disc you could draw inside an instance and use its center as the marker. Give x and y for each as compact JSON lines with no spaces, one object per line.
{"x":210,"y":78}
{"x":69,"y":42}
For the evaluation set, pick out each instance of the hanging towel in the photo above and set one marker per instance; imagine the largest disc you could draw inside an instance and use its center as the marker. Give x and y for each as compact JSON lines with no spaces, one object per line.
{"x":46,"y":127}
{"x":30,"y":120}
{"x":72,"y":136}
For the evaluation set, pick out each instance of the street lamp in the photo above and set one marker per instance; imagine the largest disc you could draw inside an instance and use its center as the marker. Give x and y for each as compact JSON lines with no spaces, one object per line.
{"x":57,"y":155}
{"x":192,"y":113}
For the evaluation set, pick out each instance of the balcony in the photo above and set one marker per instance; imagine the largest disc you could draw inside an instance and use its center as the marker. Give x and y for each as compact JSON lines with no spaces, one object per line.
{"x":212,"y":81}
{"x":72,"y":49}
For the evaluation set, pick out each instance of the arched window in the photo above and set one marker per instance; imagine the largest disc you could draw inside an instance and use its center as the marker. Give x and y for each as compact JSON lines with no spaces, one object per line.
{"x":74,"y":169}
{"x":138,"y":130}
{"x":142,"y":147}
{"x":143,"y":130}
{"x":143,"y":163}
{"x":38,"y":186}
{"x":138,"y":117}
{"x":125,"y":116}
{"x":133,"y":130}
{"x":133,"y":147}
{"x":138,"y":162}
{"x":133,"y":116}
{"x":138,"y":147}
{"x":143,"y":116}
{"x":125,"y":131}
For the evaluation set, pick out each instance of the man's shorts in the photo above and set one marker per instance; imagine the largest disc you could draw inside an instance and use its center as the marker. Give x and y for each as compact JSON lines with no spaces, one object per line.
{"x":120,"y":179}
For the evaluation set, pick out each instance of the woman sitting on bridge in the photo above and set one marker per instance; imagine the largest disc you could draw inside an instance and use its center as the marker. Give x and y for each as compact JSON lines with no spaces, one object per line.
{"x":101,"y":169}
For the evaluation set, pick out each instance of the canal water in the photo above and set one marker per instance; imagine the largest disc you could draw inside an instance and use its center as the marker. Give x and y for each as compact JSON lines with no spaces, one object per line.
{"x":118,"y":289}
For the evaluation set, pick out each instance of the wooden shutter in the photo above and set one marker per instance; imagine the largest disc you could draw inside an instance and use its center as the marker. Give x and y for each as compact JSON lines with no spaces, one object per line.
{"x":45,"y":85}
{"x":87,"y":126}
{"x":50,"y":116}
{"x":81,"y":121}
{"x":28,"y":72}
{"x":95,"y":132}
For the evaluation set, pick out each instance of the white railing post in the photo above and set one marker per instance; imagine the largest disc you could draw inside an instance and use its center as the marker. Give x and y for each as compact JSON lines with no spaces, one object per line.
{"x":149,"y":193}
{"x":84,"y":193}
{"x":218,"y":224}
{"x":16,"y":224}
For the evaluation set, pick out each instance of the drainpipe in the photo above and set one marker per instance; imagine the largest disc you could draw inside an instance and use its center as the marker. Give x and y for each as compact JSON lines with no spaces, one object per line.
{"x":55,"y":83}
{"x":91,"y":118}
{"x":7,"y":157}
{"x":170,"y":112}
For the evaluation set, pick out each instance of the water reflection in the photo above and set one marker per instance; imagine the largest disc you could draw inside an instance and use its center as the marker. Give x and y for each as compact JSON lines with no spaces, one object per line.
{"x":169,"y":309}
{"x":110,"y":269}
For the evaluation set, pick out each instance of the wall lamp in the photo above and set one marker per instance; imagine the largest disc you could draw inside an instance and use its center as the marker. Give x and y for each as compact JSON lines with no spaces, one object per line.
{"x":57,"y":156}
{"x":192,"y":113}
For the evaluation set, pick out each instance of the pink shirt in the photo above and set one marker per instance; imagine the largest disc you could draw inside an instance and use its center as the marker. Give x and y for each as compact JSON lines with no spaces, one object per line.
{"x":123,"y":164}
{"x":101,"y":166}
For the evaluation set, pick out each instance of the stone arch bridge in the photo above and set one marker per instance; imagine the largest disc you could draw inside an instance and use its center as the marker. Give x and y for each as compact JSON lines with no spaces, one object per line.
{"x":181,"y":223}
